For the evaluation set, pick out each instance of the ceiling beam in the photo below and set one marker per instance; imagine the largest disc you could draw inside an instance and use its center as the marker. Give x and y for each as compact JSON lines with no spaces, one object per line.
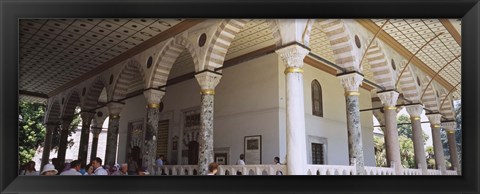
{"x":34,"y":94}
{"x":385,"y":37}
{"x":455,"y":34}
{"x":171,"y":32}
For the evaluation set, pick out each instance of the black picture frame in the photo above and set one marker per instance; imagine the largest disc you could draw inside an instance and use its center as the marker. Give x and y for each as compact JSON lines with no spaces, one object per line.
{"x":11,"y":11}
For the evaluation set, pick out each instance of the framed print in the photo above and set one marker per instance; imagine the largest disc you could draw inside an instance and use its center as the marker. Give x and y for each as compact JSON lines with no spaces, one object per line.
{"x":253,"y":149}
{"x":332,"y":71}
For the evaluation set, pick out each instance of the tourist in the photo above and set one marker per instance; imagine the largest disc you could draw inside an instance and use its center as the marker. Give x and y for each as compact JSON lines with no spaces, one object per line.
{"x":29,"y":169}
{"x":74,"y":168}
{"x":49,"y":170}
{"x":212,"y":168}
{"x":240,"y":162}
{"x":276,"y":160}
{"x":97,"y":166}
{"x":159,"y":164}
{"x":123,"y":170}
{"x":89,"y":170}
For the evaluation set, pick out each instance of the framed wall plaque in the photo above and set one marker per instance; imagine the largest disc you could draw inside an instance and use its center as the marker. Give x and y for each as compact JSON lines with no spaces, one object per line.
{"x":253,"y":149}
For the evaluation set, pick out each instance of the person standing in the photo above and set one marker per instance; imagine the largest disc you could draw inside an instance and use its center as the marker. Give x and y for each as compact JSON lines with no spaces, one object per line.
{"x":29,"y":169}
{"x":123,"y":170}
{"x":97,"y":165}
{"x":212,"y":168}
{"x":74,"y":168}
{"x":276,"y":160}
{"x":49,"y":170}
{"x":240,"y":162}
{"x":159,"y":162}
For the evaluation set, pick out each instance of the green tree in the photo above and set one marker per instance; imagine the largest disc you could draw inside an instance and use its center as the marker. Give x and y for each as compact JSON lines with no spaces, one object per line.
{"x":405,"y":127}
{"x":430,"y":157}
{"x":380,"y":152}
{"x":31,"y":131}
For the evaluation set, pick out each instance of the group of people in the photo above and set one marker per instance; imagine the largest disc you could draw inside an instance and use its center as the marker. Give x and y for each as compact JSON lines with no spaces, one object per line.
{"x":76,"y":168}
{"x":131,"y":168}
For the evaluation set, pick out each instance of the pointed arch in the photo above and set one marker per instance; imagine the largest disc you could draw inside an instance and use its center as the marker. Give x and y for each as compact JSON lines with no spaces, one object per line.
{"x":167,"y":57}
{"x":127,"y":74}
{"x":344,"y":50}
{"x":71,"y":102}
{"x":430,"y":99}
{"x":447,"y":108}
{"x":383,"y":73}
{"x":317,"y":98}
{"x":221,"y":40}
{"x":409,"y":85}
{"x":93,"y":93}
{"x":53,"y":114}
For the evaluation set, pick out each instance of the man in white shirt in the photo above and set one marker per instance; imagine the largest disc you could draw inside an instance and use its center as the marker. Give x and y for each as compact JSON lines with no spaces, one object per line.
{"x":240,"y":162}
{"x":74,"y":168}
{"x":159,"y":162}
{"x":97,"y":165}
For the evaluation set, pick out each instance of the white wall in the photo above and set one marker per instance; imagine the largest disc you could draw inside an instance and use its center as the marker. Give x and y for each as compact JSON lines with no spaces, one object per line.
{"x":133,"y":110}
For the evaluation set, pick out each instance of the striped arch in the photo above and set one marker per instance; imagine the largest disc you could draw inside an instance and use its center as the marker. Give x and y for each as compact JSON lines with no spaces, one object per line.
{"x":447,"y":108}
{"x":409,"y":85}
{"x":274,"y":26}
{"x":379,"y":65}
{"x":71,"y":102}
{"x":342,"y":44}
{"x":93,"y":93}
{"x":127,"y":74}
{"x":430,"y":99}
{"x":53,"y":115}
{"x":167,"y":58}
{"x":221,"y":40}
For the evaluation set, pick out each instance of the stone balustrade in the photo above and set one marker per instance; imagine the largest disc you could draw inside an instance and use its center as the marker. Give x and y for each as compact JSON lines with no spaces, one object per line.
{"x":434,"y":172}
{"x":330,"y":170}
{"x":282,"y":170}
{"x":371,"y":170}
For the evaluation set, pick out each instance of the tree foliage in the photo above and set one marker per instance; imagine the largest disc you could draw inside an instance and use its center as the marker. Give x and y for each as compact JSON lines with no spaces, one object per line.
{"x":31,"y":131}
{"x":380,"y":152}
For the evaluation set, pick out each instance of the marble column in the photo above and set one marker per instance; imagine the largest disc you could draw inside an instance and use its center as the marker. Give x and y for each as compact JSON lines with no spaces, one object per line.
{"x":207,"y":81}
{"x":350,"y":83}
{"x":114,"y":109}
{"x":392,"y":145}
{"x":83,"y":148}
{"x":47,"y":144}
{"x":62,"y":146}
{"x":96,"y":132}
{"x":417,"y":136}
{"x":292,"y":56}
{"x":452,"y":145}
{"x":153,"y":97}
{"x":437,"y":142}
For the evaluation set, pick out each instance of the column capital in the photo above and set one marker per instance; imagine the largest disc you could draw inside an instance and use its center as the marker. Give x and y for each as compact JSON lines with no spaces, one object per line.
{"x":449,"y":126}
{"x":208,"y":81}
{"x":414,"y":110}
{"x":293,"y":55}
{"x":389,"y":98}
{"x":153,"y":97}
{"x":434,"y":119}
{"x":350,"y":83}
{"x":87,"y":116}
{"x":114,"y":108}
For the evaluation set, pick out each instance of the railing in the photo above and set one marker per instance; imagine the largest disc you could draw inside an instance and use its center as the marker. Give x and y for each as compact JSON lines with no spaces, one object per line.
{"x":282,"y":170}
{"x":370,"y":170}
{"x":252,"y":169}
{"x":434,"y":172}
{"x":451,"y":172}
{"x":330,"y":170}
{"x":178,"y":170}
{"x":408,"y":171}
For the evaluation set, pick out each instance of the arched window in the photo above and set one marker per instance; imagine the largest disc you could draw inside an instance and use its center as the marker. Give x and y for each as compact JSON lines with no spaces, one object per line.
{"x":317,"y":104}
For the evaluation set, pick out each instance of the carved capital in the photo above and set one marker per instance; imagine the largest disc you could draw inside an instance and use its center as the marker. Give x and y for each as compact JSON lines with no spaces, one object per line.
{"x":414,"y":110}
{"x":87,"y":117}
{"x":114,"y":108}
{"x":351,"y":82}
{"x":208,"y":80}
{"x":434,"y":119}
{"x":293,"y":55}
{"x":153,"y":97}
{"x":449,"y":126}
{"x":389,"y":99}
